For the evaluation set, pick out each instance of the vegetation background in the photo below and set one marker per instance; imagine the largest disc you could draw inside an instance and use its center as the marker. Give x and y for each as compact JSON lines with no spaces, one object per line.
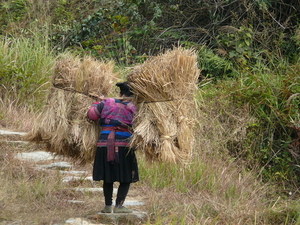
{"x":246,"y":163}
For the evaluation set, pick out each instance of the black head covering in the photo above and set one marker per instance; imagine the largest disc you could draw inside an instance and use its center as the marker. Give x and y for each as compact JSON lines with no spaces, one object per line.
{"x":124,"y":89}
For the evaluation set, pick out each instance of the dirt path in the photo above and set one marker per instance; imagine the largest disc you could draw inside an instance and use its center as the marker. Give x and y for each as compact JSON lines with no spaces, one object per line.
{"x":39,"y":159}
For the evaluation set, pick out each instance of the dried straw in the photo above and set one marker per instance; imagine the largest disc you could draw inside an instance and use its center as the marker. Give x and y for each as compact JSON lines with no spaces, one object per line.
{"x":87,"y":76}
{"x":164,"y":88}
{"x":62,"y":123}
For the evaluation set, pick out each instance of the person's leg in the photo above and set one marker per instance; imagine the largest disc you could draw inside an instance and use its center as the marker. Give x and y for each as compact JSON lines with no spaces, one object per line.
{"x":121,"y":195}
{"x":108,"y":192}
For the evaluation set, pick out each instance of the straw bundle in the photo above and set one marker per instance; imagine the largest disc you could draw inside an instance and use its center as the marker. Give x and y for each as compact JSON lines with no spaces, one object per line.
{"x":86,"y":76}
{"x":164,"y":87}
{"x":62,"y":123}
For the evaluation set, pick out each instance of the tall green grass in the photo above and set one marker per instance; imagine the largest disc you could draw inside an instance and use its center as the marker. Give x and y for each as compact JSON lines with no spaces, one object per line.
{"x":25,"y":67}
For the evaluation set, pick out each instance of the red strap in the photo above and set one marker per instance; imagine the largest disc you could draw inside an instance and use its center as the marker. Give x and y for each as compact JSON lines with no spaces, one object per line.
{"x":111,"y":156}
{"x":111,"y":146}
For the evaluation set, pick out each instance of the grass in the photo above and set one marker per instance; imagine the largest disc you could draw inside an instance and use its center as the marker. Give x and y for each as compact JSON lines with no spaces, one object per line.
{"x":12,"y":115}
{"x":209,"y":191}
{"x":26,"y":65}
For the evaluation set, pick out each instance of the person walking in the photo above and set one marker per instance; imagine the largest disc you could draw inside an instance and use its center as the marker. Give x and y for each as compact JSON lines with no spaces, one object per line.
{"x":115,"y":161}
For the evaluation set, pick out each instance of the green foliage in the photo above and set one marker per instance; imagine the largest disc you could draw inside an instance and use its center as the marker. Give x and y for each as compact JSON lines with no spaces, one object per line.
{"x":238,"y":44}
{"x":62,"y":13}
{"x":25,"y":66}
{"x":213,"y":65}
{"x":103,"y":34}
{"x":12,"y":11}
{"x":274,"y":101}
{"x":166,"y":24}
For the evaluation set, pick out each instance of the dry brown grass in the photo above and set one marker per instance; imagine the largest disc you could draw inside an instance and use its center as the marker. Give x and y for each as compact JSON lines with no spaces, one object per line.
{"x":223,"y":198}
{"x":15,"y":115}
{"x":164,"y":88}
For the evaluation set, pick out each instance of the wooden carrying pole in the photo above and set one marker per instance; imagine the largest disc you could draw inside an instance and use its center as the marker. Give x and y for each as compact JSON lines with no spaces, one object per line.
{"x":95,"y":97}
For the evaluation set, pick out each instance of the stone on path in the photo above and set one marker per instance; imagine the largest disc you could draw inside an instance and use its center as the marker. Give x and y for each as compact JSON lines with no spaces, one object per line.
{"x":6,"y":132}
{"x":72,"y":178}
{"x":57,"y":165}
{"x":133,"y":202}
{"x":128,"y":202}
{"x":119,"y":218}
{"x":79,"y":221}
{"x":115,"y":190}
{"x":35,"y":156}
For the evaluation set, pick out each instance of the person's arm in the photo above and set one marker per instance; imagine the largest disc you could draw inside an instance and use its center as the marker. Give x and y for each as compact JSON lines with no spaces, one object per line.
{"x":94,"y":111}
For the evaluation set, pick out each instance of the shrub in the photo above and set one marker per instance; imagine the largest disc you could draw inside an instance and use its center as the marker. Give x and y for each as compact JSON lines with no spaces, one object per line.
{"x":274,"y":100}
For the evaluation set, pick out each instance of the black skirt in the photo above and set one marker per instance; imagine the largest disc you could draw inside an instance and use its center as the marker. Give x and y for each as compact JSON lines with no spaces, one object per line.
{"x":125,"y":170}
